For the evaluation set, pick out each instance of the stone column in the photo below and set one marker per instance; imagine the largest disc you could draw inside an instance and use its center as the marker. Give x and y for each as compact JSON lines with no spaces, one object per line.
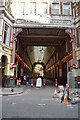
{"x":73,"y":51}
{"x":74,"y":63}
{"x":13,"y":52}
{"x":16,"y":67}
{"x":21,"y":73}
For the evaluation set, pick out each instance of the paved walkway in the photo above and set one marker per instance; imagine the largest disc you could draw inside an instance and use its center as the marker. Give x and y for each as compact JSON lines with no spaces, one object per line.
{"x":16,"y":90}
{"x":21,"y":89}
{"x":37,"y":103}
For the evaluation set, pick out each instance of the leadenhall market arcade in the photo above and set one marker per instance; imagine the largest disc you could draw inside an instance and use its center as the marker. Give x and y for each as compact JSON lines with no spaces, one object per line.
{"x":40,"y":38}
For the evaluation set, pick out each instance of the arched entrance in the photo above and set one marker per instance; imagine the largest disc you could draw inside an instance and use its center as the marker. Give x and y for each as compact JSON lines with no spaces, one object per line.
{"x":4,"y":68}
{"x":57,"y":50}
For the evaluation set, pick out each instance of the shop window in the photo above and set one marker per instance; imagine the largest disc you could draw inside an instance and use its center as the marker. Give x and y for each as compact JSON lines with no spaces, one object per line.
{"x":6,"y":38}
{"x":55,"y":8}
{"x":66,"y":8}
{"x":43,"y":8}
{"x":32,"y":8}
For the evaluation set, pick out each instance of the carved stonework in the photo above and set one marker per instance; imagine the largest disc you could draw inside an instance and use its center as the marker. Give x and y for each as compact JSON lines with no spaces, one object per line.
{"x":71,"y":32}
{"x":45,"y":20}
{"x":16,"y":31}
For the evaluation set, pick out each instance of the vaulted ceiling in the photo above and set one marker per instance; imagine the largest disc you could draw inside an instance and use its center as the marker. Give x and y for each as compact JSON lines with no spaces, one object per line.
{"x":36,"y":56}
{"x":34,"y":39}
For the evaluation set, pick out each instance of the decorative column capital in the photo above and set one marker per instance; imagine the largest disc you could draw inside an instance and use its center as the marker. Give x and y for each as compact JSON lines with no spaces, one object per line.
{"x":14,"y":39}
{"x":72,"y":40}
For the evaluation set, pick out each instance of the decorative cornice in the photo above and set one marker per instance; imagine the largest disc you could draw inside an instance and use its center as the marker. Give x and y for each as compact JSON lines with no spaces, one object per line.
{"x":5,"y":12}
{"x":45,"y":21}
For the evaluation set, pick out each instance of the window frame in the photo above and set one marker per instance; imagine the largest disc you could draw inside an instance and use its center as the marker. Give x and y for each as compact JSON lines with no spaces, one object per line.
{"x":5,"y":41}
{"x":52,"y":10}
{"x":47,"y":8}
{"x":35,"y":8}
{"x":64,"y":7}
{"x":20,"y":13}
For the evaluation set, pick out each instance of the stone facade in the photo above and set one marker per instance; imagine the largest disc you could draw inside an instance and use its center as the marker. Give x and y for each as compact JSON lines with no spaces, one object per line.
{"x":6,"y":33}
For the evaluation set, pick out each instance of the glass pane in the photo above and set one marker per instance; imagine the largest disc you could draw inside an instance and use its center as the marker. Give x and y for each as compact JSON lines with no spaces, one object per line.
{"x":7,"y":39}
{"x":6,"y":34}
{"x":20,"y":8}
{"x":32,"y":8}
{"x":55,"y":8}
{"x":4,"y":37}
{"x":66,"y":9}
{"x":6,"y":28}
{"x":44,"y":8}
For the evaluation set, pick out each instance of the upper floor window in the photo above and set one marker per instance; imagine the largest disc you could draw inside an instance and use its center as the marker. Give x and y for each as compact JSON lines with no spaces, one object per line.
{"x":77,"y":11}
{"x":6,"y":37}
{"x":55,"y":8}
{"x":66,"y":8}
{"x":44,"y":8}
{"x":32,"y":8}
{"x":20,"y":8}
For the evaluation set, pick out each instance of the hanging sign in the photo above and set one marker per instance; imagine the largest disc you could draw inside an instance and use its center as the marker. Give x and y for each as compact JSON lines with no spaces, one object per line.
{"x":13,"y":65}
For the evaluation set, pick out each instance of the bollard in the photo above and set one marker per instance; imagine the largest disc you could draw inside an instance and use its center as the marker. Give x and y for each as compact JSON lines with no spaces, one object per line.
{"x":56,"y":82}
{"x":44,"y":82}
{"x":55,"y":92}
{"x":65,"y":98}
{"x":19,"y":82}
{"x":31,"y":82}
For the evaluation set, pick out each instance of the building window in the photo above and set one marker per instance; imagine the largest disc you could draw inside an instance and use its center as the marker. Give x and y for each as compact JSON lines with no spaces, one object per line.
{"x":77,"y":11}
{"x":32,"y":8}
{"x":20,"y":8}
{"x":66,"y":8}
{"x":6,"y":34}
{"x":55,"y":8}
{"x":44,"y":8}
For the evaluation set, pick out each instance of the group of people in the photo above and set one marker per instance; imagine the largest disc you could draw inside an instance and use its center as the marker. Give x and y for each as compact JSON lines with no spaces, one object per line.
{"x":24,"y":81}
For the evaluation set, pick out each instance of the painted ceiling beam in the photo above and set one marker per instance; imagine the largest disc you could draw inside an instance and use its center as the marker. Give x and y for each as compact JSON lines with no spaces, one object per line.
{"x":40,"y":44}
{"x":41,"y":36}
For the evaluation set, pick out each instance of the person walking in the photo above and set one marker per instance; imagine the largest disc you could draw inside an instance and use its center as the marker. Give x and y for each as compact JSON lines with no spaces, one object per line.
{"x":27,"y":79}
{"x":24,"y":79}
